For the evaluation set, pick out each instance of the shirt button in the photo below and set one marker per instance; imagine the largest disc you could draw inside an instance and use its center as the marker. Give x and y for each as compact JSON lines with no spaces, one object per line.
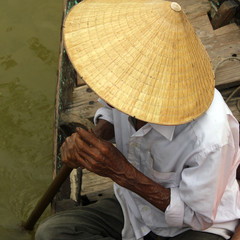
{"x":145,"y":208}
{"x":133,"y":144}
{"x":144,"y":230}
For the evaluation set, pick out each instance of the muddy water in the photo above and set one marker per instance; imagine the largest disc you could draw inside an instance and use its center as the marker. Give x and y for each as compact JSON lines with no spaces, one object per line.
{"x":29,"y":45}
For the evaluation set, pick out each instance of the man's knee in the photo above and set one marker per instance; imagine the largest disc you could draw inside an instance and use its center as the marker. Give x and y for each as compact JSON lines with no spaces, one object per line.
{"x":44,"y":232}
{"x":94,"y":220}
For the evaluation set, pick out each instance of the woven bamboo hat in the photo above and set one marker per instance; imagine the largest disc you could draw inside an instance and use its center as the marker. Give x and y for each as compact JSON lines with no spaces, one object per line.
{"x":142,"y":57}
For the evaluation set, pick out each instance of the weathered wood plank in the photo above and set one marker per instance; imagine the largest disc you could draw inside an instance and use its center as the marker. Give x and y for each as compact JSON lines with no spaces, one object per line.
{"x":233,"y":27}
{"x":226,"y":74}
{"x":85,"y":96}
{"x":225,"y":14}
{"x":220,"y":44}
{"x":91,"y":182}
{"x":194,"y":8}
{"x":97,"y":195}
{"x":82,"y":108}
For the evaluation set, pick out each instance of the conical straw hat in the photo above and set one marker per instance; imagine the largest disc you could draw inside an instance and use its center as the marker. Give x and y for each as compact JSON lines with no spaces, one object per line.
{"x":142,"y":57}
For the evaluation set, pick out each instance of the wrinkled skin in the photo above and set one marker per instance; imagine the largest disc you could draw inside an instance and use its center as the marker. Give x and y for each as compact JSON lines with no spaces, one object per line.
{"x":88,"y":150}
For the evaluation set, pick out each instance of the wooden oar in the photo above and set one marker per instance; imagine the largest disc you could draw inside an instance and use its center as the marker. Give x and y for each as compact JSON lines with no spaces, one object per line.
{"x":47,"y":197}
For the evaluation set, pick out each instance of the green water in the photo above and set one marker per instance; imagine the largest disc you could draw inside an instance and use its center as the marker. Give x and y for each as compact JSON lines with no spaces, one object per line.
{"x":29,"y":45}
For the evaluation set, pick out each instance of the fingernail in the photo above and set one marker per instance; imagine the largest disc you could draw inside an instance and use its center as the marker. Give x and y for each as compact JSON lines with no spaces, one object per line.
{"x":78,"y":129}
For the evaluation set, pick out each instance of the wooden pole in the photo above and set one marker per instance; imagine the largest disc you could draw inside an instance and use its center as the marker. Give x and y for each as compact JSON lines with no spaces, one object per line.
{"x":47,"y":197}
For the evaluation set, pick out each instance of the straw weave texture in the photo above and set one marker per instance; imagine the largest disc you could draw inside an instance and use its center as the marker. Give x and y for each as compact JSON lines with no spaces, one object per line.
{"x":142,"y":57}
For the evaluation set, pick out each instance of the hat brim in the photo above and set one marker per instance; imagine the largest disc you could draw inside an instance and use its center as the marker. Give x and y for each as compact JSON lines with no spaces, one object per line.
{"x":142,"y":57}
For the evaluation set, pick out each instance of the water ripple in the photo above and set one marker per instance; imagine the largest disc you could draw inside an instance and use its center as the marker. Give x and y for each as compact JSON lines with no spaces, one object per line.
{"x":7,"y":62}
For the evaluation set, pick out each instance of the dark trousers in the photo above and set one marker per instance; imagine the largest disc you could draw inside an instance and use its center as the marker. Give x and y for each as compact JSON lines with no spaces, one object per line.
{"x":102,"y":220}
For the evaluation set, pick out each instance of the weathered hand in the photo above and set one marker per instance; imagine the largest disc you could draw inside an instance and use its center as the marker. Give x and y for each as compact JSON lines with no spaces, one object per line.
{"x":69,"y":152}
{"x":83,"y":149}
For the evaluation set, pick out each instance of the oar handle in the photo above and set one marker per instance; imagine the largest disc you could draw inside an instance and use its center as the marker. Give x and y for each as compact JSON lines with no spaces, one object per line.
{"x":47,"y":197}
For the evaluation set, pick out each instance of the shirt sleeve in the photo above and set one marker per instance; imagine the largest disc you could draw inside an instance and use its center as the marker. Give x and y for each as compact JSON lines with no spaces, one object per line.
{"x":174,"y":213}
{"x":195,"y":202}
{"x":104,"y":113}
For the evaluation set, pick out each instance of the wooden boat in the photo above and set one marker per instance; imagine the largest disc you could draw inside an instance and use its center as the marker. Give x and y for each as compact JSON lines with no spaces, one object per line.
{"x":76,"y":104}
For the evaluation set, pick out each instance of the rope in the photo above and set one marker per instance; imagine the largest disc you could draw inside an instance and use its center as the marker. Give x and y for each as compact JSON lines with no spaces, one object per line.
{"x":224,"y":60}
{"x":230,"y":97}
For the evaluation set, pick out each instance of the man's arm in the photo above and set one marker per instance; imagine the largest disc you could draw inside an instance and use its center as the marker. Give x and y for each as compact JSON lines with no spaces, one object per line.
{"x":83,"y":149}
{"x":137,"y":182}
{"x":104,"y":130}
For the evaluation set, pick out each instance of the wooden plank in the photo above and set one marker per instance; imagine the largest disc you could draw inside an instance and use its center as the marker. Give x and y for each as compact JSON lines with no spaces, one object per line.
{"x":85,"y":103}
{"x":82,"y":108}
{"x":226,"y":29}
{"x":225,"y":14}
{"x":97,"y":195}
{"x":227,"y":75}
{"x":92,"y":182}
{"x":220,"y":44}
{"x":220,"y":47}
{"x":202,"y":26}
{"x":193,"y":8}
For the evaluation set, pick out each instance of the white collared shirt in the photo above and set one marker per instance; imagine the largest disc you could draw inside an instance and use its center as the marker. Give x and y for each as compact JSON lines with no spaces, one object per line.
{"x":197,"y":161}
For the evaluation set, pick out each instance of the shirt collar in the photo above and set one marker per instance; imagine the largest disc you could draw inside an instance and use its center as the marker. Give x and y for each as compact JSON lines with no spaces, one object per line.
{"x":166,"y":131}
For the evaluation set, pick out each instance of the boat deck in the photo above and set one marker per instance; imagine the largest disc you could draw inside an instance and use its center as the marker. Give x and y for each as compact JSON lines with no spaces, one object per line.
{"x":222,"y":44}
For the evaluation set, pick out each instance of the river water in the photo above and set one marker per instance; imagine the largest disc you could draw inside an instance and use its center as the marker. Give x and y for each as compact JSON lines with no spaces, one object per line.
{"x":29,"y":44}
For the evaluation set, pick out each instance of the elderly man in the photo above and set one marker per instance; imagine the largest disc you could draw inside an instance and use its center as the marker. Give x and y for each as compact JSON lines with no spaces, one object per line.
{"x":177,"y":142}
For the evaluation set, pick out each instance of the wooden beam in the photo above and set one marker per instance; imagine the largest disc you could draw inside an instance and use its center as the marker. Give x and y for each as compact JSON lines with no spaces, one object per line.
{"x":193,"y":8}
{"x":225,"y":14}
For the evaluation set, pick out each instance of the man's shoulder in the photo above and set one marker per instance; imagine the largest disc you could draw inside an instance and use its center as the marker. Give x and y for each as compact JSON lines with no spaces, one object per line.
{"x":214,"y":126}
